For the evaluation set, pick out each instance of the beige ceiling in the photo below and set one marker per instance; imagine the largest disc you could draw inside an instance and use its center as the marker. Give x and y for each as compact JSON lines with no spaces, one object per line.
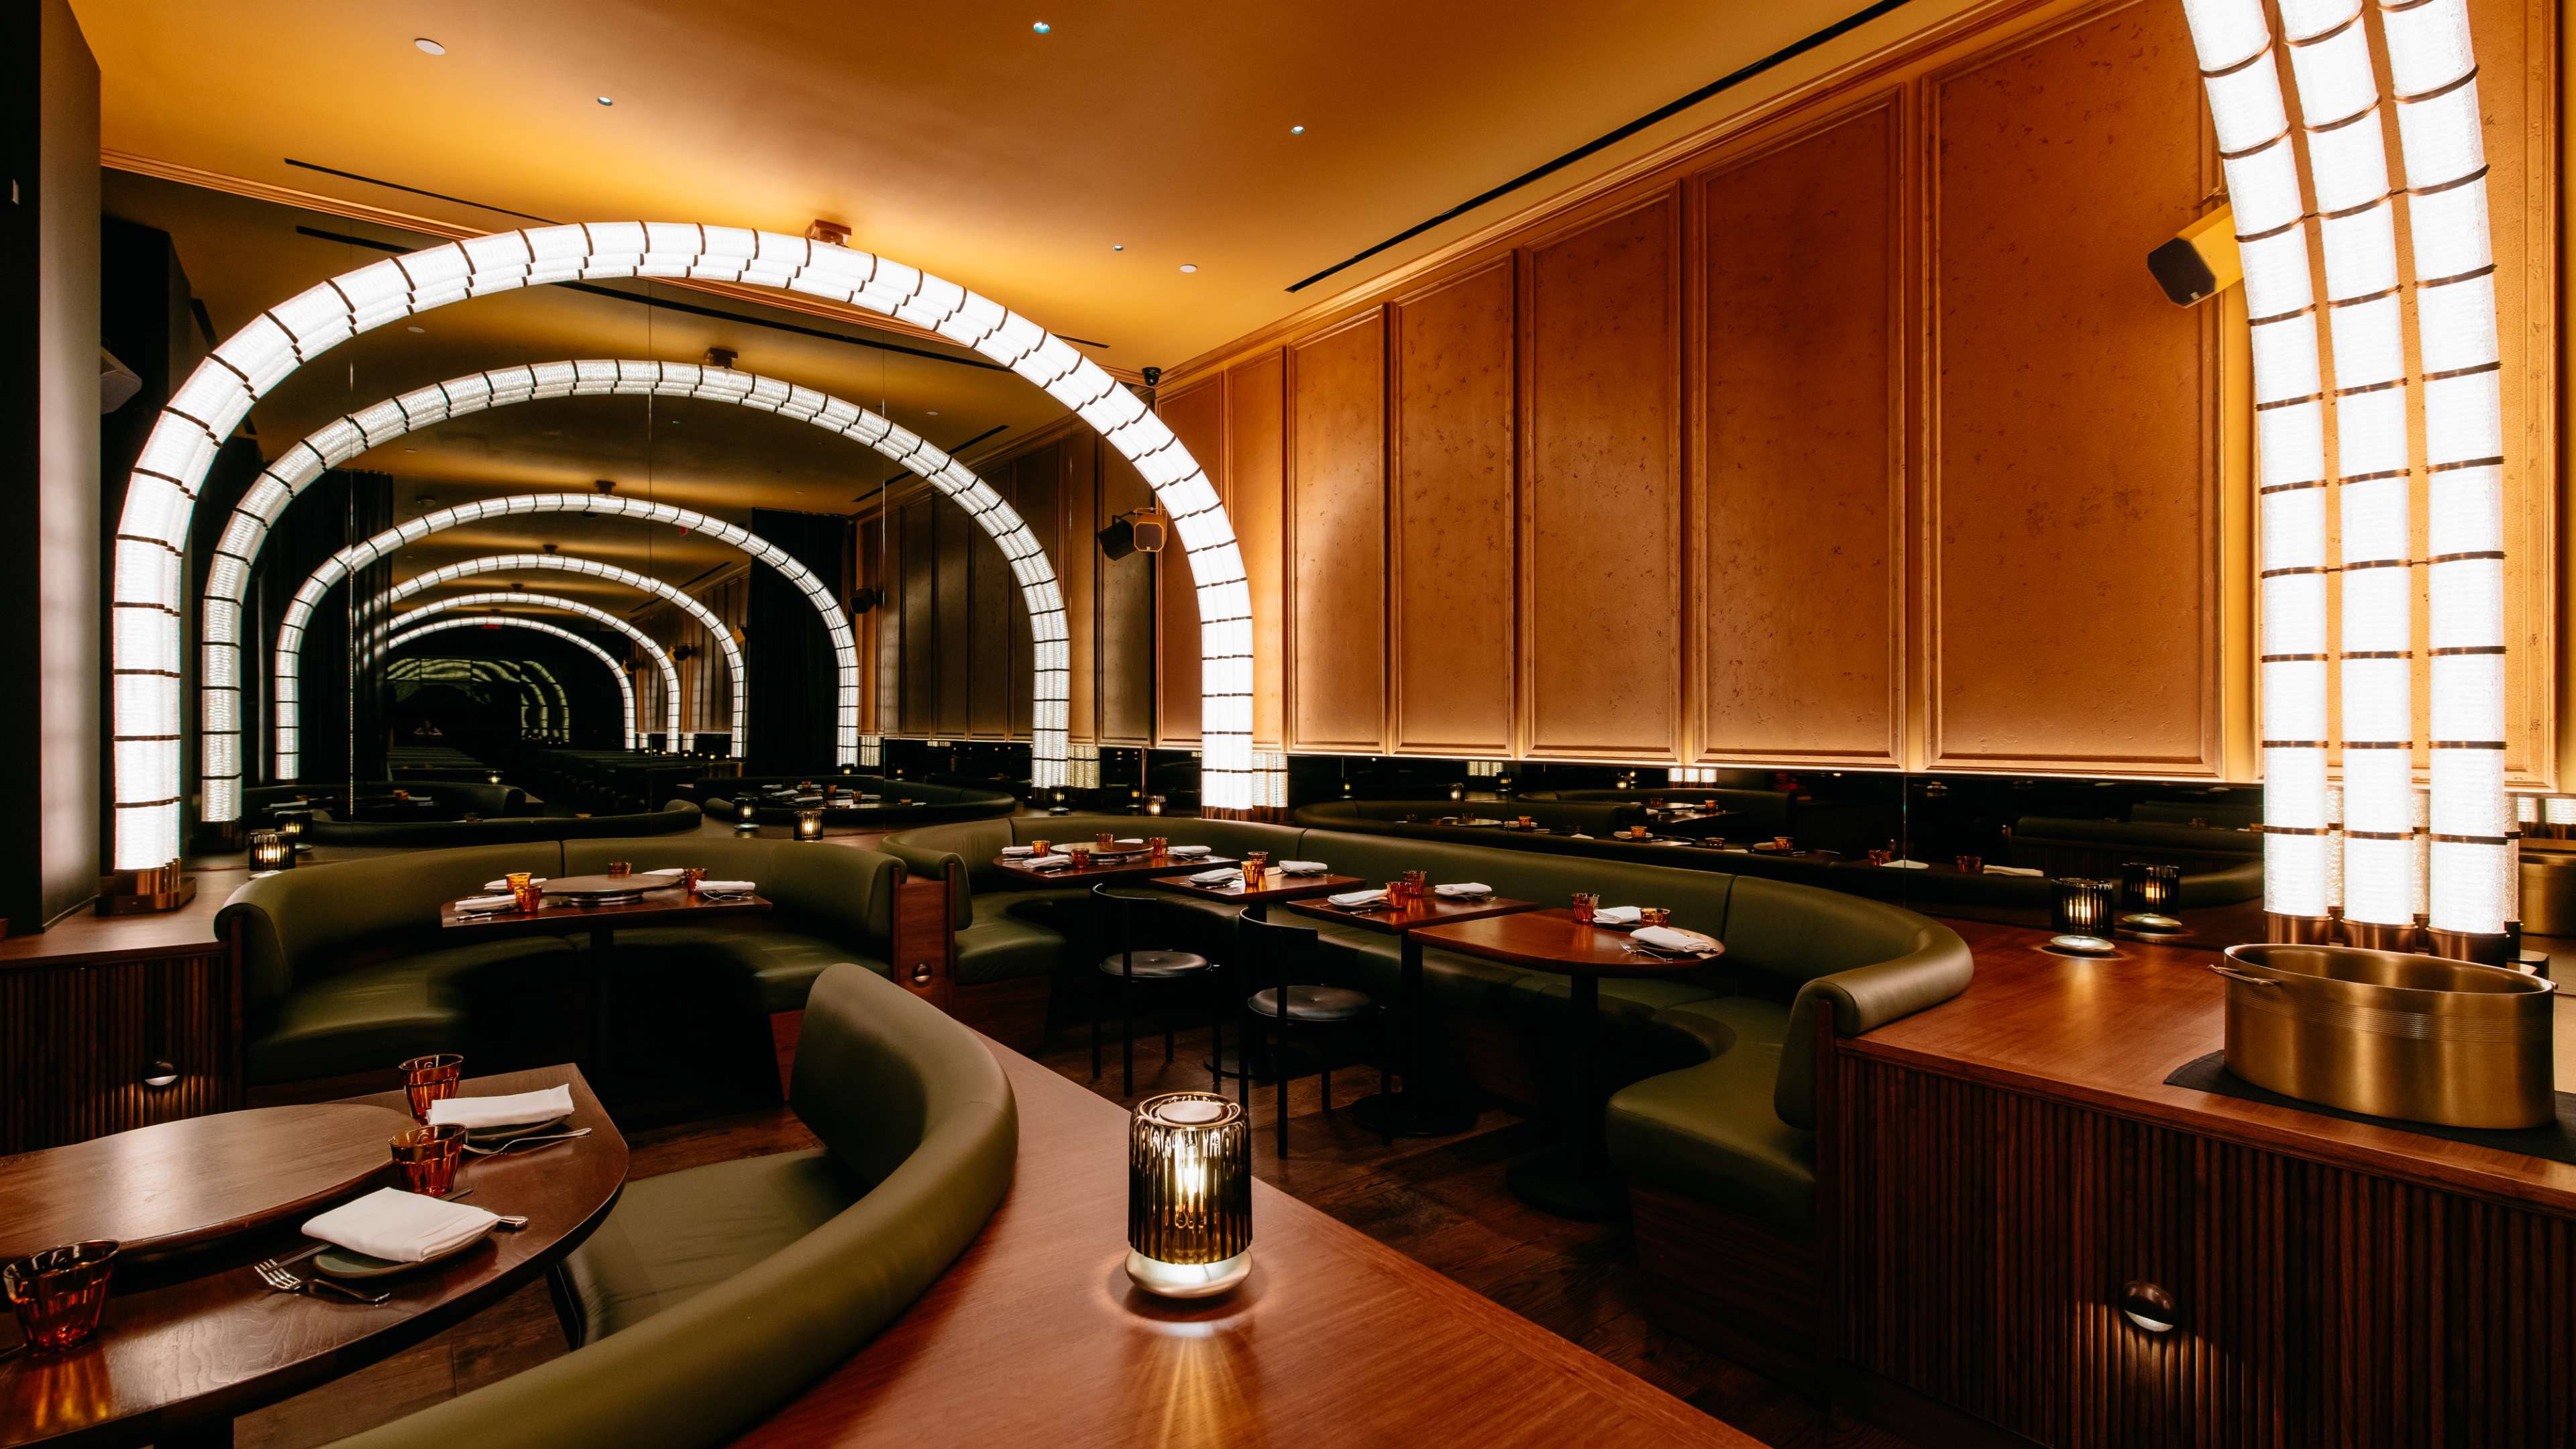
{"x":948,"y":135}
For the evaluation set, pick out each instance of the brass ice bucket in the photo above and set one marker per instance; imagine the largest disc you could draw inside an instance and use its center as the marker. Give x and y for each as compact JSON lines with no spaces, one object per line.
{"x":2392,"y":1035}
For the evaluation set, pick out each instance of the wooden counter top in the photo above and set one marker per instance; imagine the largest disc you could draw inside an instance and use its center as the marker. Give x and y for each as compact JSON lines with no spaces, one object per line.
{"x":2105,"y":1033}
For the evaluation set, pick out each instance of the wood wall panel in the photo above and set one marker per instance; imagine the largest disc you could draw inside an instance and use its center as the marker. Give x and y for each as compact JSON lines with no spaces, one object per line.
{"x":2072,"y":517}
{"x":1798,"y":483}
{"x":916,"y":533}
{"x":1036,"y":492}
{"x":1336,"y":525}
{"x":1126,"y":620}
{"x":76,"y":1037}
{"x":1079,"y":566}
{"x":1196,"y":416}
{"x":1450,"y":526}
{"x":1601,"y":516}
{"x":1256,"y":499}
{"x":990,"y":617}
{"x":953,"y":538}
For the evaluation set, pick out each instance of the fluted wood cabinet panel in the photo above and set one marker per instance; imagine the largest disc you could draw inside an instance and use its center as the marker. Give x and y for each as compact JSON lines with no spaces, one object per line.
{"x":2072,"y":517}
{"x":1196,"y":416}
{"x":1256,"y":497}
{"x":1601,"y":516}
{"x":1982,"y":1239}
{"x":952,"y":539}
{"x":989,"y":621}
{"x":916,"y":536}
{"x":1078,"y":564}
{"x":1336,"y":629}
{"x":75,"y":1040}
{"x":1800,"y":475}
{"x":1036,"y":486}
{"x":1450,"y":526}
{"x":1126,"y":622}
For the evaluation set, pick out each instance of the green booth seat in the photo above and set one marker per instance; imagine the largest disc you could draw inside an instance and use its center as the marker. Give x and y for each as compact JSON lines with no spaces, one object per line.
{"x":673,"y":818}
{"x":829,"y":904}
{"x":712,"y":1296}
{"x":475,"y":796}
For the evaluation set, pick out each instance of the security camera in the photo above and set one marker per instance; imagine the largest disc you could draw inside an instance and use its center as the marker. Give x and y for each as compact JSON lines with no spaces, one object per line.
{"x":2201,"y":261}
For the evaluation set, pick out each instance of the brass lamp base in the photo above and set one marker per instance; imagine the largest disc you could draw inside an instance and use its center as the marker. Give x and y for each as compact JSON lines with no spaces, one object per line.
{"x":145,"y":892}
{"x":2495,"y":950}
{"x":2298,"y":930}
{"x":2382,"y":935}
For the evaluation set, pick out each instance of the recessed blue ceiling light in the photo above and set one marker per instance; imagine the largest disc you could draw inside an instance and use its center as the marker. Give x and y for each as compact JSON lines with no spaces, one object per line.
{"x":1296,"y":130}
{"x":1042,"y":27}
{"x":605,"y":101}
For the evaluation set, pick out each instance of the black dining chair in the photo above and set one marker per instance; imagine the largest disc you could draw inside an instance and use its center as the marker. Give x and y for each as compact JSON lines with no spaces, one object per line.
{"x":1287,"y":961}
{"x":1130,"y":967}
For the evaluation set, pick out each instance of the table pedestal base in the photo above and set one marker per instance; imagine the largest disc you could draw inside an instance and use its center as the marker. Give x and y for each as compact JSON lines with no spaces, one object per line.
{"x":1568,"y":1182}
{"x":1408,"y":1113}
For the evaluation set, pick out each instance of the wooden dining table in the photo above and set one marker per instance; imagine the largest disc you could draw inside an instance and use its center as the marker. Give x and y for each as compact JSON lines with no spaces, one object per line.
{"x":1093,"y":871}
{"x":191,"y":1338}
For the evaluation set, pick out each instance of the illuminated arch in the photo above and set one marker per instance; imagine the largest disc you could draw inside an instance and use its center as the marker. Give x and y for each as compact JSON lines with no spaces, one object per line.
{"x":515,"y":599}
{"x":288,"y":661}
{"x":280,"y":483}
{"x":625,"y":690}
{"x":150,"y":568}
{"x":482,"y":671}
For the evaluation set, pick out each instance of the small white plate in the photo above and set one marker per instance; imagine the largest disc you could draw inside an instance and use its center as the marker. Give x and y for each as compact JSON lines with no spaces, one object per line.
{"x":508,"y":1130}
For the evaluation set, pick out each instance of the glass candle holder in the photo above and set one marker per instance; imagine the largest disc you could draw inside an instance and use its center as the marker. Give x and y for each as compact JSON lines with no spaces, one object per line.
{"x":2081,"y":913}
{"x":268,"y":852}
{"x":1457,"y":792}
{"x":1970,"y":864}
{"x":690,"y":877}
{"x":425,"y":1158}
{"x":809,"y":824}
{"x":1780,"y":842}
{"x":620,"y":869}
{"x":57,"y":1294}
{"x":1154,"y":806}
{"x":2150,"y":887}
{"x":430,"y":1079}
{"x":1189,"y":1195}
{"x":1654,"y":916}
{"x":1160,"y":845}
{"x":746,"y":811}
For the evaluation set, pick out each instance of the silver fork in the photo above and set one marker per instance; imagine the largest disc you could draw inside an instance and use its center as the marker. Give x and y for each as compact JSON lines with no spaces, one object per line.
{"x":515,"y":1143}
{"x":285,"y":1282}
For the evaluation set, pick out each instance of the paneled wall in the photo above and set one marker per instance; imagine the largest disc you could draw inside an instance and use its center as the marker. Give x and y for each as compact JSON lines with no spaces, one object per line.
{"x":1852,"y":433}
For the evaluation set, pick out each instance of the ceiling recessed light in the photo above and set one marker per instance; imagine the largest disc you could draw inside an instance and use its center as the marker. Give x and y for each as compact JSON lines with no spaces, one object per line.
{"x":1042,"y":27}
{"x":1296,"y":130}
{"x":1189,"y":266}
{"x":415,"y":329}
{"x":427,"y":46}
{"x":606,"y":101}
{"x":934,"y":412}
{"x":1118,"y":246}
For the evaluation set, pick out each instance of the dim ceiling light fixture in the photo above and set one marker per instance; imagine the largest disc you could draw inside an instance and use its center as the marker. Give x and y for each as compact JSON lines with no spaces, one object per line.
{"x":606,"y":101}
{"x":427,"y":46}
{"x":1189,"y":266}
{"x":2451,"y":865}
{"x":1296,"y":130}
{"x":625,"y":691}
{"x":1042,"y":28}
{"x":514,"y":600}
{"x":246,"y":532}
{"x":151,"y":559}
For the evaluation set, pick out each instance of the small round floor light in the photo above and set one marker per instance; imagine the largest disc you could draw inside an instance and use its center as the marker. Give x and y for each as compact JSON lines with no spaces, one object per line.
{"x":1189,"y":1195}
{"x":2082,"y":915}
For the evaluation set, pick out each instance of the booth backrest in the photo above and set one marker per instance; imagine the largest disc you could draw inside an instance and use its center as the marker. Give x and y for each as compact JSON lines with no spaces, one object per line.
{"x":835,"y":891}
{"x":969,"y":847}
{"x":300,"y":924}
{"x":672,"y":818}
{"x":1592,"y":815}
{"x":905,"y":1096}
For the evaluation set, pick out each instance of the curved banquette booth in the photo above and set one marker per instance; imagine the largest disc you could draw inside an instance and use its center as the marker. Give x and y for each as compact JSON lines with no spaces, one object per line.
{"x":673,"y":818}
{"x":345,"y":967}
{"x":1721,"y":1105}
{"x":930,"y":802}
{"x":462,"y":797}
{"x":711,"y":1296}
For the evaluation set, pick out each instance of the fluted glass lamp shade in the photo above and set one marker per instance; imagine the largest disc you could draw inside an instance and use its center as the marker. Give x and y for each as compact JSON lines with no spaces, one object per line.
{"x":2081,"y":914}
{"x":269,"y":851}
{"x":809,"y":824}
{"x":1189,"y":1195}
{"x":2151,"y":887}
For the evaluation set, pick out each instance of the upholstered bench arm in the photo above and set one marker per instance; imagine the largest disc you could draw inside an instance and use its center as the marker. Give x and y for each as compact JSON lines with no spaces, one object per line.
{"x":1864,"y":999}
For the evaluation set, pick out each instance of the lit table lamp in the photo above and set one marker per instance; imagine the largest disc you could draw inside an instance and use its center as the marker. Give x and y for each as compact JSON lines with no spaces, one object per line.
{"x":745,"y":816}
{"x":2151,"y":888}
{"x":1189,"y":1195}
{"x":268,"y":852}
{"x":809,"y":824}
{"x":2082,"y":915}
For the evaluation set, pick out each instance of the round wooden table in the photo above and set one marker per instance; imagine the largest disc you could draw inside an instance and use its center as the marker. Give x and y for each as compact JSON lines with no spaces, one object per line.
{"x":1575,"y":1180}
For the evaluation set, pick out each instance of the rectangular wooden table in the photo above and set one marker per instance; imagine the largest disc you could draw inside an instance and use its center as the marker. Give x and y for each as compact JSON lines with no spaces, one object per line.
{"x":1035,"y":1337}
{"x":1128,"y":867}
{"x":1276,"y":885}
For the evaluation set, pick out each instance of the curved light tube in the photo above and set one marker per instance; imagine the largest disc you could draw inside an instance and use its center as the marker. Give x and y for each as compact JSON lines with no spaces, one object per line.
{"x":670,"y":594}
{"x":2242,"y":78}
{"x":150,"y":559}
{"x":346,"y":437}
{"x":625,"y":690}
{"x":484,"y":671}
{"x":515,"y":599}
{"x":290,"y":630}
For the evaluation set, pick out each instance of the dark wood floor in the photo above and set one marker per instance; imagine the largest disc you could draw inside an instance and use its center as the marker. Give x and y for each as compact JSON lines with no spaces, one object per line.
{"x":1440,"y":1201}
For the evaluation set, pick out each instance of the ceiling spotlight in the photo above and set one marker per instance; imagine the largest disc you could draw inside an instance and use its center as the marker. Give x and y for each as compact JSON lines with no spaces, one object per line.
{"x":1042,"y":27}
{"x":604,"y":485}
{"x":1189,"y":266}
{"x":1118,"y":246}
{"x":717,"y":357}
{"x":1296,"y":130}
{"x":830,"y":232}
{"x":427,"y":46}
{"x":605,"y":101}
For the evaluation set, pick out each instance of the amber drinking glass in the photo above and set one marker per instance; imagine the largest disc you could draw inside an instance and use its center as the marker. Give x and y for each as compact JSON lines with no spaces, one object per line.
{"x":1780,"y":842}
{"x":431,"y":1079}
{"x":1880,"y":857}
{"x":426,"y":1157}
{"x":620,"y":868}
{"x":1416,"y":884}
{"x":1161,"y":845}
{"x":1584,"y":901}
{"x":690,"y":876}
{"x":1654,"y":916}
{"x":1039,"y":848}
{"x":1971,"y":864}
{"x":1104,"y":841}
{"x":58,"y":1293}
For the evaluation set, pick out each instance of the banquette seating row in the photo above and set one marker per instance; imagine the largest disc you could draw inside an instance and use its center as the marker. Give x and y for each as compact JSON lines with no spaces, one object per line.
{"x":673,"y":818}
{"x":711,"y":1296}
{"x":462,"y":796}
{"x":928,"y":802}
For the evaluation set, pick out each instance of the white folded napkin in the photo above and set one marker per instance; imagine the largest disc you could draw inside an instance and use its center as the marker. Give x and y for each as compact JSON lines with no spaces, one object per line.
{"x":1019,"y":850}
{"x":488,"y":903}
{"x":1214,"y":877}
{"x":666,"y":870}
{"x":400,"y":1227}
{"x":1614,"y":915}
{"x":1302,"y":867}
{"x":1048,"y":862}
{"x":727,"y":887}
{"x":872,"y":797}
{"x":1358,"y":898}
{"x":502,"y":885}
{"x":2013,"y":870}
{"x":1463,"y":888}
{"x":1904,"y":865}
{"x":1187,"y":850}
{"x":1579,"y":835}
{"x":1665,"y":938}
{"x":476,"y":1113}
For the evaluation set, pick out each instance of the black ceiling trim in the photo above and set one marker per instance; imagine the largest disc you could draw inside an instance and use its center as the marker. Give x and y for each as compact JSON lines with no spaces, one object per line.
{"x":416,"y":191}
{"x":1660,"y":113}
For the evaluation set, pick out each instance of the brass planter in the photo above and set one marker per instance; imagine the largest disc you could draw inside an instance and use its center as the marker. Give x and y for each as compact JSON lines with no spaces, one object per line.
{"x":2392,"y":1035}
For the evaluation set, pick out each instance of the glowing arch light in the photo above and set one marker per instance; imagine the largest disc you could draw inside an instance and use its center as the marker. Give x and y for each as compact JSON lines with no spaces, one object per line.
{"x":288,"y":664}
{"x":346,"y":437}
{"x":625,"y":691}
{"x":678,"y":598}
{"x":514,"y":599}
{"x":152,"y":532}
{"x":484,"y":671}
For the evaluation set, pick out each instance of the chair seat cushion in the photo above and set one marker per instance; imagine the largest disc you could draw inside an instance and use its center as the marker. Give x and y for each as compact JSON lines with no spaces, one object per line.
{"x":1313,"y":1003}
{"x":776,"y":967}
{"x":671,"y":1237}
{"x":1154,"y":965}
{"x":375,"y":1015}
{"x":1710,"y":1131}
